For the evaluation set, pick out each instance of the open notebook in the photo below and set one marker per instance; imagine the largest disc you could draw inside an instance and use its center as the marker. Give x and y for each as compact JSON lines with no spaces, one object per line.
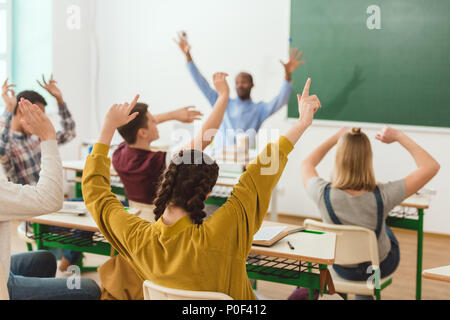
{"x":79,"y":208}
{"x":268,"y":236}
{"x":76,"y":208}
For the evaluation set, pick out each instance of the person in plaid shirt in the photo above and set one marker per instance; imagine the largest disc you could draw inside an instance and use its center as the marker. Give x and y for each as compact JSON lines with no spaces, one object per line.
{"x":20,"y":151}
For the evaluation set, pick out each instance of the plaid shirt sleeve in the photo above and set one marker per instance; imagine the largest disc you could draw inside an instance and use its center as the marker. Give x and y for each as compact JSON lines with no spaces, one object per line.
{"x":68,"y":132}
{"x":5,"y":128}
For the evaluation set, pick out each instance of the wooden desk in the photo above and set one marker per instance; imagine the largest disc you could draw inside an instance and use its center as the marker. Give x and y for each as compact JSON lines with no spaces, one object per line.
{"x":413,"y":221}
{"x":78,"y":166}
{"x":70,"y":221}
{"x":306,"y":266}
{"x":440,"y":274}
{"x":312,"y":247}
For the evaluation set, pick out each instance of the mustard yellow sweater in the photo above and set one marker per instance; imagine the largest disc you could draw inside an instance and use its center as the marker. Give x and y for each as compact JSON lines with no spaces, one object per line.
{"x":211,"y":257}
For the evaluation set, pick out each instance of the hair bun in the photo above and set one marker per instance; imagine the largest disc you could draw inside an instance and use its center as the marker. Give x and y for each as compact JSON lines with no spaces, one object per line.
{"x":356,"y":132}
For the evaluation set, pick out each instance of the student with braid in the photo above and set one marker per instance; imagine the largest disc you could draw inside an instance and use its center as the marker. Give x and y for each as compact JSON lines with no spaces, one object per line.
{"x":181,"y":250}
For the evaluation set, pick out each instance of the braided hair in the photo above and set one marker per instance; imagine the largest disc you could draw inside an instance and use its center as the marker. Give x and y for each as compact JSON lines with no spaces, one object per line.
{"x":186,"y":183}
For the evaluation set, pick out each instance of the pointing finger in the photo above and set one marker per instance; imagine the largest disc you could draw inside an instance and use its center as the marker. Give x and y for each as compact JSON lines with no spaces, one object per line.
{"x":306,"y":89}
{"x":134,"y":102}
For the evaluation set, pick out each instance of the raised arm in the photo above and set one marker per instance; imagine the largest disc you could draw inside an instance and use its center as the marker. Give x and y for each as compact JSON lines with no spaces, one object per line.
{"x":68,"y":132}
{"x":120,"y":228}
{"x":308,"y":167}
{"x":184,"y":115}
{"x":212,"y":124}
{"x":20,"y":202}
{"x":9,"y":97}
{"x":282,"y":98}
{"x":427,"y":166}
{"x":246,"y":208}
{"x":201,"y":82}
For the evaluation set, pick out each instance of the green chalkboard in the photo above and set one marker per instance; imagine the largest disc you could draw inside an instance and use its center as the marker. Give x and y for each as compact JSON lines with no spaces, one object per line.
{"x":389,"y":64}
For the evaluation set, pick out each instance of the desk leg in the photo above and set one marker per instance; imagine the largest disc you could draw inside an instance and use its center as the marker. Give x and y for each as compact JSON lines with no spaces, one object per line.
{"x":78,"y":192}
{"x":419,"y":255}
{"x":37,"y":230}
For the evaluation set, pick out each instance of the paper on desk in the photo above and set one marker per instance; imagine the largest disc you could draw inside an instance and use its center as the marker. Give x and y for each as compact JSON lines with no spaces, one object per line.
{"x":73,"y":208}
{"x":268,"y":233}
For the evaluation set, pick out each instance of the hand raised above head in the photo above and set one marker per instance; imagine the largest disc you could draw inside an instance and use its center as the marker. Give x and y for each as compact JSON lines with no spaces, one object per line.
{"x":51,"y":88}
{"x":34,"y":121}
{"x":308,"y":105}
{"x":388,"y":135}
{"x":221,"y":84}
{"x":119,"y":114}
{"x":294,"y":62}
{"x":10,"y":100}
{"x":183,"y":43}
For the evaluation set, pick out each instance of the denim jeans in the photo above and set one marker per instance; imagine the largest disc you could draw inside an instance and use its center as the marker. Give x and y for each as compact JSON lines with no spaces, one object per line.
{"x":32,"y":277}
{"x":387,"y":266}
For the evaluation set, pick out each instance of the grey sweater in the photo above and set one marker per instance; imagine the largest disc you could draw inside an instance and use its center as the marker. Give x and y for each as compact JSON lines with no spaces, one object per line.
{"x":359,"y":210}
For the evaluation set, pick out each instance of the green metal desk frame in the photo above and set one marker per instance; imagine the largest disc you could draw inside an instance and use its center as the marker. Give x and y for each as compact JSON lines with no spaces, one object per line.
{"x":416,"y":225}
{"x":301,"y":278}
{"x":99,"y":248}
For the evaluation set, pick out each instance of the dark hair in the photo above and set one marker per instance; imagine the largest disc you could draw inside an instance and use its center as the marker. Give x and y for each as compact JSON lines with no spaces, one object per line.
{"x":187,"y":181}
{"x":31,"y":96}
{"x":129,"y":131}
{"x":248,"y":76}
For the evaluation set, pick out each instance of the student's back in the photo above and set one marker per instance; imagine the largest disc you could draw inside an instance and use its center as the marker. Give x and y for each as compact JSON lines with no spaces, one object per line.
{"x":353,"y":197}
{"x":140,"y":171}
{"x":359,"y":210}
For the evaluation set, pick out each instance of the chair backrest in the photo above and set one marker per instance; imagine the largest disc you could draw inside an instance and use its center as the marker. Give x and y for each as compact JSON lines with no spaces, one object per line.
{"x":155,"y":292}
{"x":354,"y":244}
{"x":4,"y":295}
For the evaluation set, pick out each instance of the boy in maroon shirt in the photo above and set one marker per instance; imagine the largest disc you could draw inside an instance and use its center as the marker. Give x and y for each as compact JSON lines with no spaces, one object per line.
{"x":140,"y":168}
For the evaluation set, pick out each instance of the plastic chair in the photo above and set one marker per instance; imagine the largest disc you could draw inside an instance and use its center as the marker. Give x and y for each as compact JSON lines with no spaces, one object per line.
{"x":354,"y":245}
{"x":155,"y":292}
{"x":4,"y":295}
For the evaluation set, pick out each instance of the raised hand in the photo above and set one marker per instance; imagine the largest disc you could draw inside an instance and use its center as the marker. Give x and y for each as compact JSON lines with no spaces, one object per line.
{"x":294,"y":62}
{"x":119,"y":114}
{"x":10,"y":100}
{"x":342,"y":132}
{"x":308,"y":105}
{"x":388,"y":135}
{"x":34,"y":121}
{"x":184,"y":44}
{"x":221,"y":84}
{"x":187,"y":115}
{"x":51,"y":88}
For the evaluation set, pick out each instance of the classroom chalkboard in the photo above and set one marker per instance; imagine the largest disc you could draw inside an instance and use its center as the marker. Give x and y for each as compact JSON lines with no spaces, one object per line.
{"x":380,"y":61}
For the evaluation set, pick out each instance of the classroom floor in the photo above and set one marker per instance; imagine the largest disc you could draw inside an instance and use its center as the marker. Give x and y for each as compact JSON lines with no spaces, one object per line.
{"x":436,"y":254}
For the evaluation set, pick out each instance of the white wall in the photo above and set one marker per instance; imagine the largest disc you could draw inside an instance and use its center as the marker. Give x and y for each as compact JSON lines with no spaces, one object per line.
{"x":72,"y":68}
{"x":137,"y":55}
